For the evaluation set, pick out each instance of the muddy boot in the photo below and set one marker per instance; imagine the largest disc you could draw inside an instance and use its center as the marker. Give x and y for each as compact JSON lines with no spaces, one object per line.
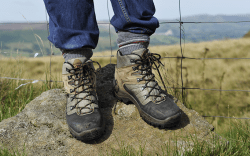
{"x":83,"y":115}
{"x":135,"y":82}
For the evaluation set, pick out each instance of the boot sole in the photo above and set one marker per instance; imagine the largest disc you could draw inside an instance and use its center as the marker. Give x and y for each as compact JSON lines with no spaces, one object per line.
{"x":167,"y":123}
{"x":88,"y":135}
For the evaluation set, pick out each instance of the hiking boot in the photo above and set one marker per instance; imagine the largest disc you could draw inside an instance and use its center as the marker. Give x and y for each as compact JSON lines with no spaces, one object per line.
{"x":83,"y":115}
{"x":134,"y":82}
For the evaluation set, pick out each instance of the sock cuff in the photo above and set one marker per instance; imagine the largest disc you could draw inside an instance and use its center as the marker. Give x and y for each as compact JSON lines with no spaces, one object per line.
{"x":128,"y":37}
{"x":140,"y":44}
{"x":128,"y":49}
{"x":81,"y":52}
{"x":75,"y":51}
{"x":134,"y":41}
{"x":129,"y":42}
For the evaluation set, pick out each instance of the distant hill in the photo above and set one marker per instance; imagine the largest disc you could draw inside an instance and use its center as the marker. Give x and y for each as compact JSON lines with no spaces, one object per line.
{"x":23,"y":26}
{"x":166,"y":34}
{"x":247,"y":35}
{"x":208,"y":31}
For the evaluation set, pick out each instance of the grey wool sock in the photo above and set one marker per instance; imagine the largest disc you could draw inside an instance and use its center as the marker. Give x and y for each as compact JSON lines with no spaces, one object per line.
{"x":129,"y":42}
{"x":82,"y":52}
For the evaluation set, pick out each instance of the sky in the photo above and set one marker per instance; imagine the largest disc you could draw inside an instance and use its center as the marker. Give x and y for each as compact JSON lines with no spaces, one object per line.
{"x":34,"y":10}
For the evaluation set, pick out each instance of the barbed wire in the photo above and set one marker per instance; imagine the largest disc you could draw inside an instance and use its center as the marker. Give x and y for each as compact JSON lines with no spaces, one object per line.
{"x":182,"y":22}
{"x":223,"y":117}
{"x":159,"y":22}
{"x":11,"y":78}
{"x":181,"y":57}
{"x":176,"y":57}
{"x":105,"y":56}
{"x":234,"y":90}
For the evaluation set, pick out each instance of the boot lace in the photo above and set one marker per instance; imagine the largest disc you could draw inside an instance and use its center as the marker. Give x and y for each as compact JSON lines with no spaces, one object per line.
{"x":144,"y":67}
{"x":81,"y":76}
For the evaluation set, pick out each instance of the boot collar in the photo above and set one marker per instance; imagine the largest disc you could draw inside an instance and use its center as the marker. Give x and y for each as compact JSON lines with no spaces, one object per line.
{"x":127,"y":60}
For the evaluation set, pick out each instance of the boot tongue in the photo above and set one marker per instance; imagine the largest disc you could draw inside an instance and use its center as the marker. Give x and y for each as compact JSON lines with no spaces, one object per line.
{"x":135,"y":54}
{"x":77,"y":63}
{"x":139,"y":52}
{"x":78,"y":60}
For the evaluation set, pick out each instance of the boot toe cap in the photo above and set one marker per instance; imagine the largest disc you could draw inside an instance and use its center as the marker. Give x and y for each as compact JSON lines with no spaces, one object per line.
{"x":163,"y":110}
{"x":86,"y":122}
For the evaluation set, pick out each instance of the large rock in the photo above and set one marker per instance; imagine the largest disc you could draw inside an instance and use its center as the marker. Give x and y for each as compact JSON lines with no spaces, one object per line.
{"x":42,"y":127}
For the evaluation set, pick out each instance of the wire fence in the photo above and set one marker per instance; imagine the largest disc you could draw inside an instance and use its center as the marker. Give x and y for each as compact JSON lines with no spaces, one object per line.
{"x":182,"y":56}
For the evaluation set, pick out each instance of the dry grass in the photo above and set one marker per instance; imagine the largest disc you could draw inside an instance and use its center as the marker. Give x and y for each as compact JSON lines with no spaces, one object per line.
{"x":205,"y":102}
{"x":196,"y":73}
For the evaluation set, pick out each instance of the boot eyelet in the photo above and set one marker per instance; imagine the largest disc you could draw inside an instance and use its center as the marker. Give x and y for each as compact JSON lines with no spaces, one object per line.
{"x":139,"y":79}
{"x":69,"y":77}
{"x":134,"y":68}
{"x":145,"y":97}
{"x":71,"y":91}
{"x":142,"y":88}
{"x":132,"y":61}
{"x":72,"y":107}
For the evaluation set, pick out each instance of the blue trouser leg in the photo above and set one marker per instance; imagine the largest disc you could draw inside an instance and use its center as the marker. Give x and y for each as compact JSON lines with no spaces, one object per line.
{"x":135,"y":16}
{"x":134,"y":22}
{"x":72,"y":23}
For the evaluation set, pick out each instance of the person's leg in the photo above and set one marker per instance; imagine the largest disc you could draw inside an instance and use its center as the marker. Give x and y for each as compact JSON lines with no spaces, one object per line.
{"x":73,"y":27}
{"x":134,"y":22}
{"x":134,"y":79}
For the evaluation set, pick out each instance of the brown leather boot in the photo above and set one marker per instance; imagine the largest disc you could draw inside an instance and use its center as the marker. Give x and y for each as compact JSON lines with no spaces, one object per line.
{"x":83,"y":115}
{"x":135,"y":82}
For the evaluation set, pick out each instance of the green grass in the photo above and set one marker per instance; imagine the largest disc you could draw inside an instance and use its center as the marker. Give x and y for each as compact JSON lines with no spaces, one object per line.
{"x":13,"y":101}
{"x":6,"y":152}
{"x":238,"y":138}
